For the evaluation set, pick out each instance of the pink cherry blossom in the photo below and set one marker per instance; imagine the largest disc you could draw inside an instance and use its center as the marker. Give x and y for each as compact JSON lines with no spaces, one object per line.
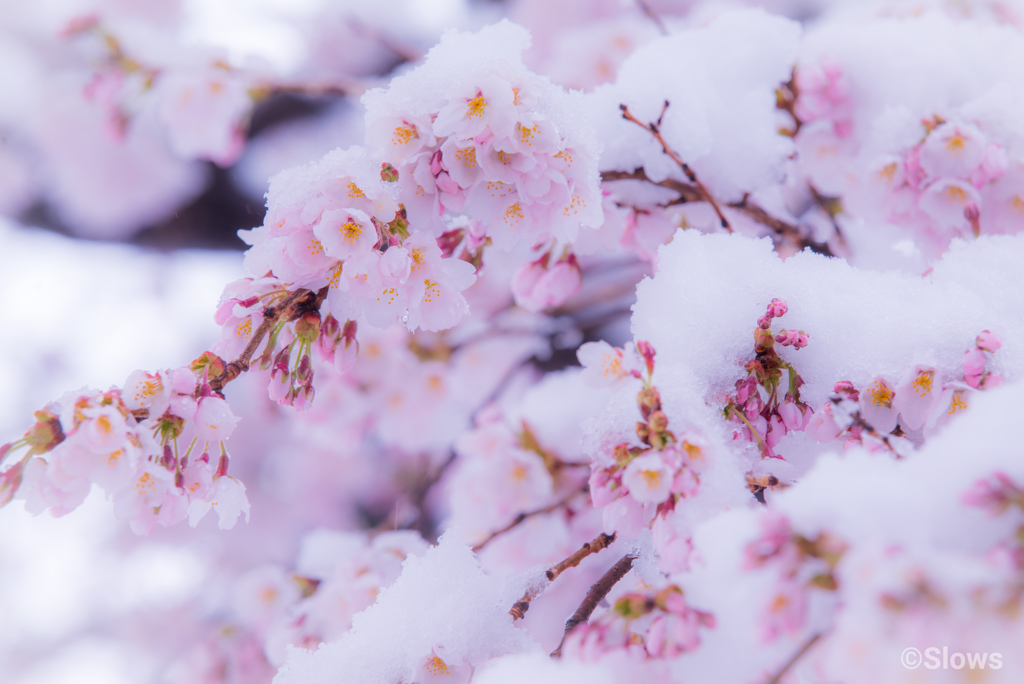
{"x":877,"y":407}
{"x":537,"y":286}
{"x":605,"y":365}
{"x":953,"y":150}
{"x":648,"y":479}
{"x":916,"y":397}
{"x":203,"y":111}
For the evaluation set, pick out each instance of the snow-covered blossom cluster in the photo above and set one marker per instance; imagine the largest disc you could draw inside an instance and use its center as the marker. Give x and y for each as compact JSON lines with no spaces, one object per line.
{"x":126,"y":441}
{"x":710,"y":371}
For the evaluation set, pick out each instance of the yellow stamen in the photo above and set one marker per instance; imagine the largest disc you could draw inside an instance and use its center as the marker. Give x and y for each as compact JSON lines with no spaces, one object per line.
{"x":436,"y":666}
{"x":923,"y":383}
{"x":418,"y":259}
{"x":244,"y":329}
{"x":888,"y":172}
{"x":693,"y":451}
{"x":403,"y":134}
{"x":652,"y":478}
{"x":955,"y":194}
{"x":881,"y":395}
{"x":611,"y":364}
{"x":514,"y":213}
{"x":350,"y":232}
{"x":467,"y":156}
{"x":475,"y":107}
{"x":957,"y":403}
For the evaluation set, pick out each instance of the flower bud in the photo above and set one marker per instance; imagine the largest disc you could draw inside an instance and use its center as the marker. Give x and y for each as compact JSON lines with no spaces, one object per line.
{"x":388,"y":173}
{"x":988,"y":341}
{"x":307,"y":328}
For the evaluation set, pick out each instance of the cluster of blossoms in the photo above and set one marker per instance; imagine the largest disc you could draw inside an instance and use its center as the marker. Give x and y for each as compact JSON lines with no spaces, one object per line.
{"x":503,"y":473}
{"x":337,"y":224}
{"x":641,"y":625}
{"x":127,"y":442}
{"x":765,"y":411}
{"x":822,"y":98}
{"x":801,"y":564}
{"x":999,"y":494}
{"x":496,"y":145}
{"x":886,"y":414}
{"x":942,"y":184}
{"x":337,"y":575}
{"x":641,"y":483}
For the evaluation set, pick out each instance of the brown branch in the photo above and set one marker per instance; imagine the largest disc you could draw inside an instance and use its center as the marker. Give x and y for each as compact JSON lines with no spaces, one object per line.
{"x":831,"y":207}
{"x":655,"y":130}
{"x":518,"y":520}
{"x":588,"y":549}
{"x":785,"y":100}
{"x":777,"y":677}
{"x":596,"y":594}
{"x":653,"y":16}
{"x":687,"y":192}
{"x":287,"y":309}
{"x":691,"y":193}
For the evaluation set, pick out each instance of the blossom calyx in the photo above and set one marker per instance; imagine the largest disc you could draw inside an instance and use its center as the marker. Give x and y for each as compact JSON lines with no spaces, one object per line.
{"x":763,"y":340}
{"x":307,"y":327}
{"x":209,"y":366}
{"x":649,"y":400}
{"x":45,"y":434}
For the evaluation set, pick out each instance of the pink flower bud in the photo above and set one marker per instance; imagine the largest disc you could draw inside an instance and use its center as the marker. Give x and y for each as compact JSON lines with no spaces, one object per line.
{"x":793,"y":416}
{"x":846,"y":390}
{"x":797,"y":338}
{"x":990,"y":381}
{"x":988,"y":341}
{"x":974,"y":363}
{"x":279,"y":386}
{"x":535,"y":286}
{"x":646,"y":350}
{"x":973,"y":216}
{"x":435,"y":163}
{"x":777,"y":308}
{"x":745,"y":389}
{"x":222,"y":465}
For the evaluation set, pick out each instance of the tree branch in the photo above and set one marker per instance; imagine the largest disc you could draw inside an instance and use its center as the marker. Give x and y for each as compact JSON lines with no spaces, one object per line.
{"x":691,"y":193}
{"x":687,"y":192}
{"x":287,"y":309}
{"x":777,"y":677}
{"x":518,"y":520}
{"x":602,"y":541}
{"x":655,"y":130}
{"x":596,"y":594}
{"x":653,"y":16}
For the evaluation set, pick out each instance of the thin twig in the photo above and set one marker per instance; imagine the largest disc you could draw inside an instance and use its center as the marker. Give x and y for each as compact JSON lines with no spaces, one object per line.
{"x":588,"y":549}
{"x":690,"y":193}
{"x":271,"y":315}
{"x":596,"y":594}
{"x":653,"y":16}
{"x":518,"y":520}
{"x":829,"y":205}
{"x":777,"y":677}
{"x":655,"y":130}
{"x":785,"y":100}
{"x":687,"y":192}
